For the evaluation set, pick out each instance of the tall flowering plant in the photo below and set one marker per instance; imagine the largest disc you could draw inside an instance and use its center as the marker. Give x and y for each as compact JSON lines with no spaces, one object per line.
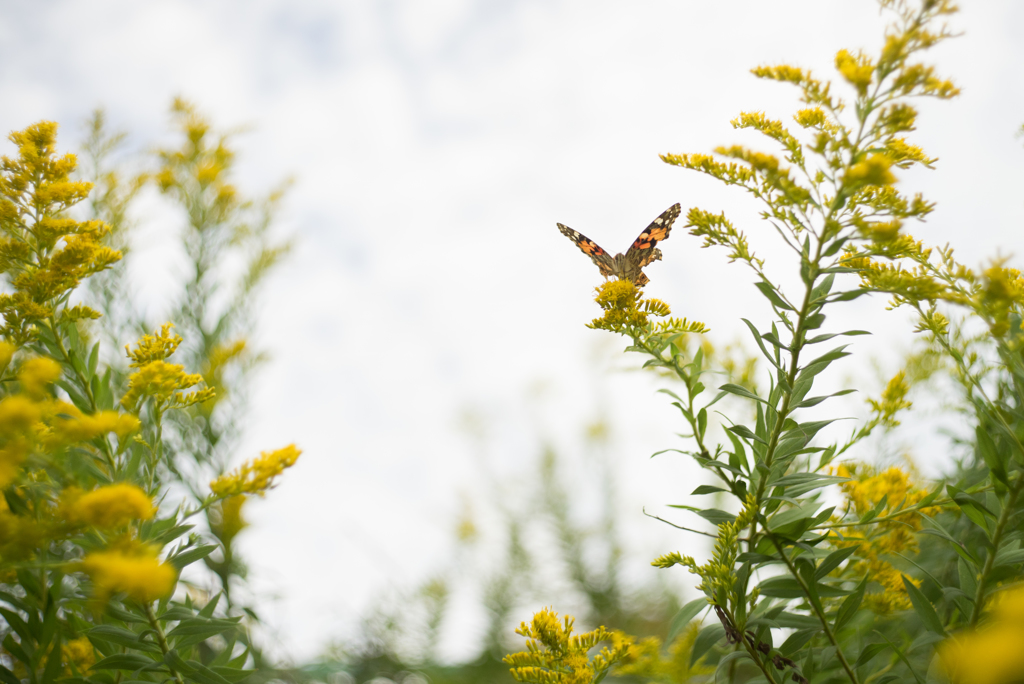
{"x":886,"y":579}
{"x":93,"y":540}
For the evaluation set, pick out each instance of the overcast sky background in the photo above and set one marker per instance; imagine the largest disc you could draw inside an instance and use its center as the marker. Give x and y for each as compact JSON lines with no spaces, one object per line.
{"x":435,"y":144}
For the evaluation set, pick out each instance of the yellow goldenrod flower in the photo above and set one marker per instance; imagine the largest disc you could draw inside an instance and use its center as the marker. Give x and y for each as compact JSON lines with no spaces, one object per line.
{"x":866,"y":488}
{"x":856,"y":69}
{"x":872,"y":171}
{"x":992,"y":654}
{"x":78,"y":656}
{"x":6,"y":354}
{"x":136,"y":572}
{"x":165,"y":383}
{"x":18,"y":414}
{"x":555,"y":656}
{"x":109,"y":507}
{"x":154,"y":347}
{"x":256,"y":476}
{"x":36,"y":375}
{"x":230,"y":522}
{"x":155,"y":378}
{"x":69,"y":425}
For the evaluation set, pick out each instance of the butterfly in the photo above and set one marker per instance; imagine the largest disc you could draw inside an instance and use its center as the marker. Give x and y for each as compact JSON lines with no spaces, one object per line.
{"x":642,"y":252}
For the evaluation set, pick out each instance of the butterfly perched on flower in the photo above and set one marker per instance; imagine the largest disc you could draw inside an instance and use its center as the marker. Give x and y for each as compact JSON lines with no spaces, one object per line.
{"x":642,"y":252}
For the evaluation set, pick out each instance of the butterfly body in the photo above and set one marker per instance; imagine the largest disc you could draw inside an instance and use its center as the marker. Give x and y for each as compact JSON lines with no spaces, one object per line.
{"x":642,"y":252}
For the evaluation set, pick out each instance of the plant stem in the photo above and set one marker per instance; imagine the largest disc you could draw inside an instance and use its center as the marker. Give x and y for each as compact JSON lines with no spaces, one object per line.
{"x":161,"y":640}
{"x":997,"y":535}
{"x":816,"y":608}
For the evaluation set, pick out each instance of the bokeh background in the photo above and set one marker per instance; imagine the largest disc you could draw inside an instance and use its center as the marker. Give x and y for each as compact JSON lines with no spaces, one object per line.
{"x":427,"y":336}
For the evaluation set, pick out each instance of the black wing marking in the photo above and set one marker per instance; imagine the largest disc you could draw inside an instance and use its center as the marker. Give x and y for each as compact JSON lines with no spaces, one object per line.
{"x":642,"y":251}
{"x":593,"y":250}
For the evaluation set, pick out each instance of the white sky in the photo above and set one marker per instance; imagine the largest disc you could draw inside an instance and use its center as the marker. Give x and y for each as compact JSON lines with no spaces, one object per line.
{"x":435,"y":145}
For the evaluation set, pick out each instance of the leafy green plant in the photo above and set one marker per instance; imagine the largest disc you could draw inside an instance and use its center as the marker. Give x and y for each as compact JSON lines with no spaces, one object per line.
{"x":93,"y":532}
{"x":872,"y":588}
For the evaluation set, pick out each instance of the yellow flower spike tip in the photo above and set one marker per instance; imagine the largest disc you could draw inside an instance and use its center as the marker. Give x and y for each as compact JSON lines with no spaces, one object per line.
{"x":555,"y":656}
{"x":109,"y":507}
{"x":138,"y":573}
{"x":872,"y":171}
{"x":155,"y":347}
{"x":36,"y":375}
{"x":256,"y":476}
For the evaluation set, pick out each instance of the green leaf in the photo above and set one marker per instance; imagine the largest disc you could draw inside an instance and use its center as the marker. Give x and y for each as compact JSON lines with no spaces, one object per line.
{"x":760,"y":343}
{"x":833,"y":561}
{"x":230,"y":673}
{"x":706,"y":489}
{"x":728,"y":658}
{"x":923,"y":608}
{"x":798,"y":484}
{"x":744,"y":431}
{"x":706,"y":639}
{"x":814,"y":401}
{"x":987,"y":448}
{"x":684,"y":616}
{"x":123,"y":661}
{"x":770,"y":293}
{"x":869,"y":652}
{"x":54,"y":663}
{"x":716,"y":516}
{"x":787,"y":587}
{"x":7,"y":676}
{"x":190,"y":556}
{"x":121,"y":637}
{"x":798,"y":639}
{"x":741,"y":391}
{"x":902,"y":657}
{"x":771,"y":339}
{"x":849,"y":606}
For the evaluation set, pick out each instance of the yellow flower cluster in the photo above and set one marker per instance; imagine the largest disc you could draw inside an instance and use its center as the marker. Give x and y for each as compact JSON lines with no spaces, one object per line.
{"x":34,"y":420}
{"x":627,"y":312}
{"x":718,"y":575}
{"x":134,"y":571}
{"x":79,"y":656}
{"x":1002,"y":294}
{"x":892,"y":401}
{"x":647,"y":662}
{"x":108,"y":507}
{"x":256,"y":476}
{"x":44,"y":253}
{"x":555,"y":656}
{"x":864,"y":491}
{"x":154,"y":378}
{"x":993,"y":653}
{"x":856,"y":69}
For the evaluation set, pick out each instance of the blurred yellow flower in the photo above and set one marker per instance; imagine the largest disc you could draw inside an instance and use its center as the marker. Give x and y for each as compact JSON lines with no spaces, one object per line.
{"x":256,"y":476}
{"x":993,"y":654}
{"x":230,"y":521}
{"x":108,"y":507}
{"x":36,"y":375}
{"x":135,"y":572}
{"x":864,"y":491}
{"x":79,"y":653}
